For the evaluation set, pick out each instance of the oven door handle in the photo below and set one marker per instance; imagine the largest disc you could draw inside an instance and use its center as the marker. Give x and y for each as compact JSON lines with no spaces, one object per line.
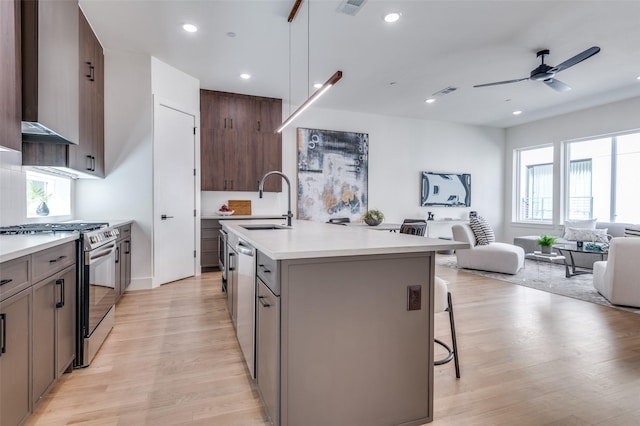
{"x":105,"y":251}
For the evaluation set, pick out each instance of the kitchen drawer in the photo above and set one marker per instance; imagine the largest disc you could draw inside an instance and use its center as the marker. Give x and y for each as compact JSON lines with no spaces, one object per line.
{"x":210,"y":224}
{"x":268,"y":271}
{"x":125,"y":231}
{"x":14,"y":276}
{"x":210,"y":233}
{"x":209,"y":245}
{"x":48,"y":262}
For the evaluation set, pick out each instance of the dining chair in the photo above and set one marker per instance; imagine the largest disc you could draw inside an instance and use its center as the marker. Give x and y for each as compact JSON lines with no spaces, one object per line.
{"x":414,"y":228}
{"x":339,"y":220}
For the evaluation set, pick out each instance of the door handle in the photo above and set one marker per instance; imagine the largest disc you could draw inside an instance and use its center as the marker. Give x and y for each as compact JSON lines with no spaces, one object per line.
{"x":165,"y":217}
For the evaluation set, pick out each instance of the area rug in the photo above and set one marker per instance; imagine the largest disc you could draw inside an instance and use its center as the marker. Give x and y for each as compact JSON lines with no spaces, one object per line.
{"x":547,"y":277}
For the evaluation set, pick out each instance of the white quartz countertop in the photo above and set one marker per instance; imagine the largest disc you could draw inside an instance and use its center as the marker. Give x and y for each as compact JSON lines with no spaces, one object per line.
{"x":237,"y":217}
{"x":307,"y":239}
{"x":14,"y":246}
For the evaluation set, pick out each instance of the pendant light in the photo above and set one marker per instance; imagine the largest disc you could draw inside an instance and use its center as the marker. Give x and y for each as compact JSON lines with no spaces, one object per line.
{"x":314,"y":97}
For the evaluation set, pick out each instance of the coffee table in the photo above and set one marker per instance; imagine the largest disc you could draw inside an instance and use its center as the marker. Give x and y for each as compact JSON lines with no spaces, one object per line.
{"x":569,"y":250}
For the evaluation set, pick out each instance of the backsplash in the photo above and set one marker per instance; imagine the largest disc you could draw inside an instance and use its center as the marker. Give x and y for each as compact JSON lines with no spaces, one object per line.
{"x":13,"y":190}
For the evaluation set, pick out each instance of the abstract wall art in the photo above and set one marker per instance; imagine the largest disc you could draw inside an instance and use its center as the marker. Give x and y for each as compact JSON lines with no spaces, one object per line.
{"x":332,"y":174}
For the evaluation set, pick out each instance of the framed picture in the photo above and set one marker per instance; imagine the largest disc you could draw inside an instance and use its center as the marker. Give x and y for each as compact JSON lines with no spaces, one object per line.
{"x":332,"y":174}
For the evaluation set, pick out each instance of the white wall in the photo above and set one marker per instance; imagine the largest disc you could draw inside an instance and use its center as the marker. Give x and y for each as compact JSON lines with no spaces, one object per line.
{"x":131,"y":80}
{"x":611,"y":118}
{"x":126,"y":192}
{"x":399,"y":150}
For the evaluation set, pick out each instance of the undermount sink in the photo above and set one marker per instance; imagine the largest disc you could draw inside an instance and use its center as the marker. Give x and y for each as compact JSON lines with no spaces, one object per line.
{"x":266,"y":227}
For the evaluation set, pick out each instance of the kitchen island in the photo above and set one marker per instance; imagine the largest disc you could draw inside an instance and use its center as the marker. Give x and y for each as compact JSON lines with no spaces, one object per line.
{"x":344,"y":322}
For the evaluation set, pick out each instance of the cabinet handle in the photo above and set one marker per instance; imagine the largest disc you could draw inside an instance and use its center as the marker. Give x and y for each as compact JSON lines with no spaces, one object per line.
{"x":264,"y":269}
{"x":231,"y":184}
{"x":262,"y":302}
{"x":258,"y":125}
{"x":89,"y":163}
{"x":3,"y":335}
{"x":128,"y":249}
{"x":231,"y":120}
{"x":231,"y":266}
{"x":93,"y":163}
{"x":117,"y":254}
{"x":6,"y":281}
{"x":90,"y":76}
{"x":58,"y":259}
{"x":60,"y":304}
{"x":225,"y":123}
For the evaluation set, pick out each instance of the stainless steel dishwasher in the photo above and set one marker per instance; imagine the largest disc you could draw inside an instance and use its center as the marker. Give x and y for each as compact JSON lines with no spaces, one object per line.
{"x":246,"y":299}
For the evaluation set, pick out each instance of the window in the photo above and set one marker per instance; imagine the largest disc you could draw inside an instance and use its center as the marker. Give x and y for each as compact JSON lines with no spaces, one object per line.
{"x":535,"y":184}
{"x":601,"y":182}
{"x":48,"y":195}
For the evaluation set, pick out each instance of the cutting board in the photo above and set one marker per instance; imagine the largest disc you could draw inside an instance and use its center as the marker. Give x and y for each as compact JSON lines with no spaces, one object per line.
{"x":240,"y":207}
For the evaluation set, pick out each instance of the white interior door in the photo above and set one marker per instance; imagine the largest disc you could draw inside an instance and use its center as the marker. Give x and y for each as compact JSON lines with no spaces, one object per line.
{"x":173,"y":194}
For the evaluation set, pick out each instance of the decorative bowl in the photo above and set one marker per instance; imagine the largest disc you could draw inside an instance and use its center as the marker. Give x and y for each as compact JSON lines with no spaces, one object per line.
{"x":227,"y":213}
{"x":372,"y":221}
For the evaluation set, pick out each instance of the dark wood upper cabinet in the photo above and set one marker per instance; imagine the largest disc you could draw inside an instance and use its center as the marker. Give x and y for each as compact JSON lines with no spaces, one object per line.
{"x":88,"y":155}
{"x":10,"y":79}
{"x":238,"y":141}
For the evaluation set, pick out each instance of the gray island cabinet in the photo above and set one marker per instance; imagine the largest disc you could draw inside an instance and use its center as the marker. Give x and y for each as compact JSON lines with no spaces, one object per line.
{"x":337,"y":340}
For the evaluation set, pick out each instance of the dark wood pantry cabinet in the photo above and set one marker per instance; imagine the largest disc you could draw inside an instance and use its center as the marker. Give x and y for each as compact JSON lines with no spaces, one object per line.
{"x":238,"y":141}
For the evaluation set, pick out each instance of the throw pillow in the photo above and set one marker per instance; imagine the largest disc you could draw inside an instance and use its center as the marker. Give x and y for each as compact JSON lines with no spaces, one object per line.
{"x":581,"y":234}
{"x":632,"y":231}
{"x":581,"y":224}
{"x":482,"y":230}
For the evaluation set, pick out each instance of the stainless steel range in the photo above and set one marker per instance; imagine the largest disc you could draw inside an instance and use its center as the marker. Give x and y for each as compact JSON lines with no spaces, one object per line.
{"x":95,"y":270}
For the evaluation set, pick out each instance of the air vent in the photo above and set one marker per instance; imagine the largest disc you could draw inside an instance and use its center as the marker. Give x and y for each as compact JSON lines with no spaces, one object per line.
{"x":351,"y":7}
{"x":445,"y":91}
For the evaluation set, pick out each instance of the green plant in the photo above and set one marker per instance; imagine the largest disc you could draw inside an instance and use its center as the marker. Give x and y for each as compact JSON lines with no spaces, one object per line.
{"x":373,"y":215}
{"x":38,"y":192}
{"x":546,"y":240}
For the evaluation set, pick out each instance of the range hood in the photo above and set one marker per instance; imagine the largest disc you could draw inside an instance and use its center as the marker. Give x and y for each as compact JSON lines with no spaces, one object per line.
{"x":50,"y":71}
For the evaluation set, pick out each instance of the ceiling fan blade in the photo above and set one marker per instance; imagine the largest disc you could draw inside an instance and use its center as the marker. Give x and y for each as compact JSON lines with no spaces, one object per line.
{"x":502,"y":82}
{"x":576,"y":59}
{"x":557,"y":85}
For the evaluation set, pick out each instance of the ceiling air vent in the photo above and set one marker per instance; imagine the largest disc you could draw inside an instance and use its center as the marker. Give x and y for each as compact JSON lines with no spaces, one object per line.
{"x":351,"y":7}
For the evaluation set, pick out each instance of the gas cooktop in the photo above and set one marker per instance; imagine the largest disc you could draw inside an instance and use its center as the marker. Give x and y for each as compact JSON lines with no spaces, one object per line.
{"x":37,"y":228}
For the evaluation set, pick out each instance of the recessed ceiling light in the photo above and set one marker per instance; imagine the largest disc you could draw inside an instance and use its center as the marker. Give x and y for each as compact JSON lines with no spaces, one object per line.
{"x":517,"y":112}
{"x":430,"y":100}
{"x":190,"y":28}
{"x":317,"y":85}
{"x":392,"y":17}
{"x":231,"y":34}
{"x":638,"y":77}
{"x":245,"y":76}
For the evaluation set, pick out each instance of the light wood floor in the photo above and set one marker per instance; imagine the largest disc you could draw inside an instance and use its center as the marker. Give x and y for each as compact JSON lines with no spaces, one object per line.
{"x":528,"y":358}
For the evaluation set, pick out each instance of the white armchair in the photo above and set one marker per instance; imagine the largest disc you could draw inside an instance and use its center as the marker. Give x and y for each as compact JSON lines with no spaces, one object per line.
{"x":617,"y":278}
{"x":495,"y":257}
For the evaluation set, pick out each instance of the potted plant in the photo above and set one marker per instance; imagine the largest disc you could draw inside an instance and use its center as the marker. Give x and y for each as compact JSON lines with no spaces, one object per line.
{"x":546,"y":242}
{"x":373,"y":217}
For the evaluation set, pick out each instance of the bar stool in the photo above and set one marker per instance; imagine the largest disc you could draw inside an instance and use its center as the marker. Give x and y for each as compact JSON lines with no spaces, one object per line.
{"x":442,"y":302}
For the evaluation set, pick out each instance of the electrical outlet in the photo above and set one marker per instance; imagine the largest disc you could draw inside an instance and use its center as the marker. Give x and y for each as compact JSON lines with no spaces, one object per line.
{"x":414,"y":297}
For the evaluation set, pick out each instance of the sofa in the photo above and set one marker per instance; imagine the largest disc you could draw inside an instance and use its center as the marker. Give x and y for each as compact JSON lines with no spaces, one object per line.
{"x":495,"y":257}
{"x":529,"y":245}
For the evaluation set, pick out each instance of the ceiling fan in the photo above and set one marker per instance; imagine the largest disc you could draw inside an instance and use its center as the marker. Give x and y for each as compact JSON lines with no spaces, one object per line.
{"x":546,"y":73}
